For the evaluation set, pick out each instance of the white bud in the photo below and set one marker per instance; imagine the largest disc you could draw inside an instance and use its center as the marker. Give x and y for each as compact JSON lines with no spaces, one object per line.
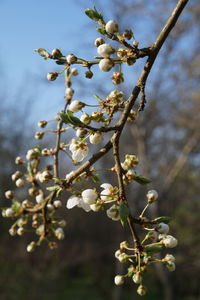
{"x":69,"y":92}
{"x":31,"y":247}
{"x":57,"y":203}
{"x":105,"y":50}
{"x":20,"y":182}
{"x":85,"y":118}
{"x":80,"y":132}
{"x":72,"y":201}
{"x":141,"y":290}
{"x":59,"y":233}
{"x":9,"y":194}
{"x":71,"y":58}
{"x":99,"y":41}
{"x":152,"y":196}
{"x":169,"y":241}
{"x":117,"y":253}
{"x":51,"y":76}
{"x":76,"y":105}
{"x":50,"y":207}
{"x":20,"y":231}
{"x":119,"y":280}
{"x":137,"y":278}
{"x":89,"y":196}
{"x":162,"y":228}
{"x":111,"y":26}
{"x":169,"y":257}
{"x":95,"y":138}
{"x":74,"y":72}
{"x":105,"y":64}
{"x":9,"y":212}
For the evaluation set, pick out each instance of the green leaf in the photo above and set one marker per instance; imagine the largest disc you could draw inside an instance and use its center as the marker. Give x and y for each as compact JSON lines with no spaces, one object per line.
{"x":141,"y":179}
{"x":153,"y":248}
{"x":69,"y":118}
{"x":123,"y":213}
{"x":101,"y":30}
{"x":163,"y":219}
{"x":95,"y":178}
{"x":94,"y":14}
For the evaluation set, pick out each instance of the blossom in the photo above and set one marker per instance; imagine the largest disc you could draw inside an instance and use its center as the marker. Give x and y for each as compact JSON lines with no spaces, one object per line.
{"x":107,"y":191}
{"x":89,"y":196}
{"x":79,"y":150}
{"x":77,"y":201}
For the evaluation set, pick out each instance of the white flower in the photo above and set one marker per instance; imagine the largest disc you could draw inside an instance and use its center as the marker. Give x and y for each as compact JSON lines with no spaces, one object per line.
{"x":71,"y":58}
{"x":73,"y":201}
{"x":111,"y":26}
{"x":119,"y":280}
{"x":20,"y":182}
{"x":99,"y":41}
{"x":152,"y":196}
{"x":105,"y":64}
{"x":95,"y":138}
{"x":76,"y":105}
{"x":89,"y":196}
{"x":59,"y":233}
{"x":85,"y":118}
{"x":169,"y":241}
{"x":107,"y":191}
{"x":79,"y":150}
{"x":113,"y":212}
{"x":162,"y":228}
{"x":105,"y":50}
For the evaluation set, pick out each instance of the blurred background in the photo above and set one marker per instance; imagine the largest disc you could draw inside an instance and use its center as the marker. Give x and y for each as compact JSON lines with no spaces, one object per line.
{"x":166,"y":138}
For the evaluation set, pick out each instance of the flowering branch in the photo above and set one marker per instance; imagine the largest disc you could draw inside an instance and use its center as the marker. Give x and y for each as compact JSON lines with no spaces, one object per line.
{"x":45,"y":185}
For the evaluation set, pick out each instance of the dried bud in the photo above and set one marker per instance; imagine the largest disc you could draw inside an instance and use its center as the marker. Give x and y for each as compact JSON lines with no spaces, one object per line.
{"x":99,"y":41}
{"x":56,"y":53}
{"x":88,"y":74}
{"x":42,"y":124}
{"x":117,"y":78}
{"x":128,"y":34}
{"x":51,"y":76}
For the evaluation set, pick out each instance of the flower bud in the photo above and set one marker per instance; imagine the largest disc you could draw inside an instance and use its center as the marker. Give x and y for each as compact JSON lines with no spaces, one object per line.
{"x":69,"y":92}
{"x":45,"y":176}
{"x":169,"y":241}
{"x":168,"y":257}
{"x":162,"y":228}
{"x":45,"y":152}
{"x":9,"y":194}
{"x":95,"y":138}
{"x":111,"y":27}
{"x":39,"y":135}
{"x":74,"y":72}
{"x":71,"y":58}
{"x":39,"y":198}
{"x":20,"y":182}
{"x":19,"y":160}
{"x":9,"y":212}
{"x":88,"y":74}
{"x":85,"y":118}
{"x":123,"y":245}
{"x":105,"y":50}
{"x":135,"y":44}
{"x":20,"y":231}
{"x":113,"y":212}
{"x":16,"y":175}
{"x":121,"y":52}
{"x":80,"y":132}
{"x":13,"y":230}
{"x":141,"y":290}
{"x":152,"y":196}
{"x":137,"y":278}
{"x":99,"y":41}
{"x":128,"y":34}
{"x":106,"y":64}
{"x":33,"y":154}
{"x":119,"y":280}
{"x":31,"y":247}
{"x":42,"y":124}
{"x":51,"y":76}
{"x":56,"y":53}
{"x":50,"y":207}
{"x":57,"y":203}
{"x":59,"y":233}
{"x":76,"y":105}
